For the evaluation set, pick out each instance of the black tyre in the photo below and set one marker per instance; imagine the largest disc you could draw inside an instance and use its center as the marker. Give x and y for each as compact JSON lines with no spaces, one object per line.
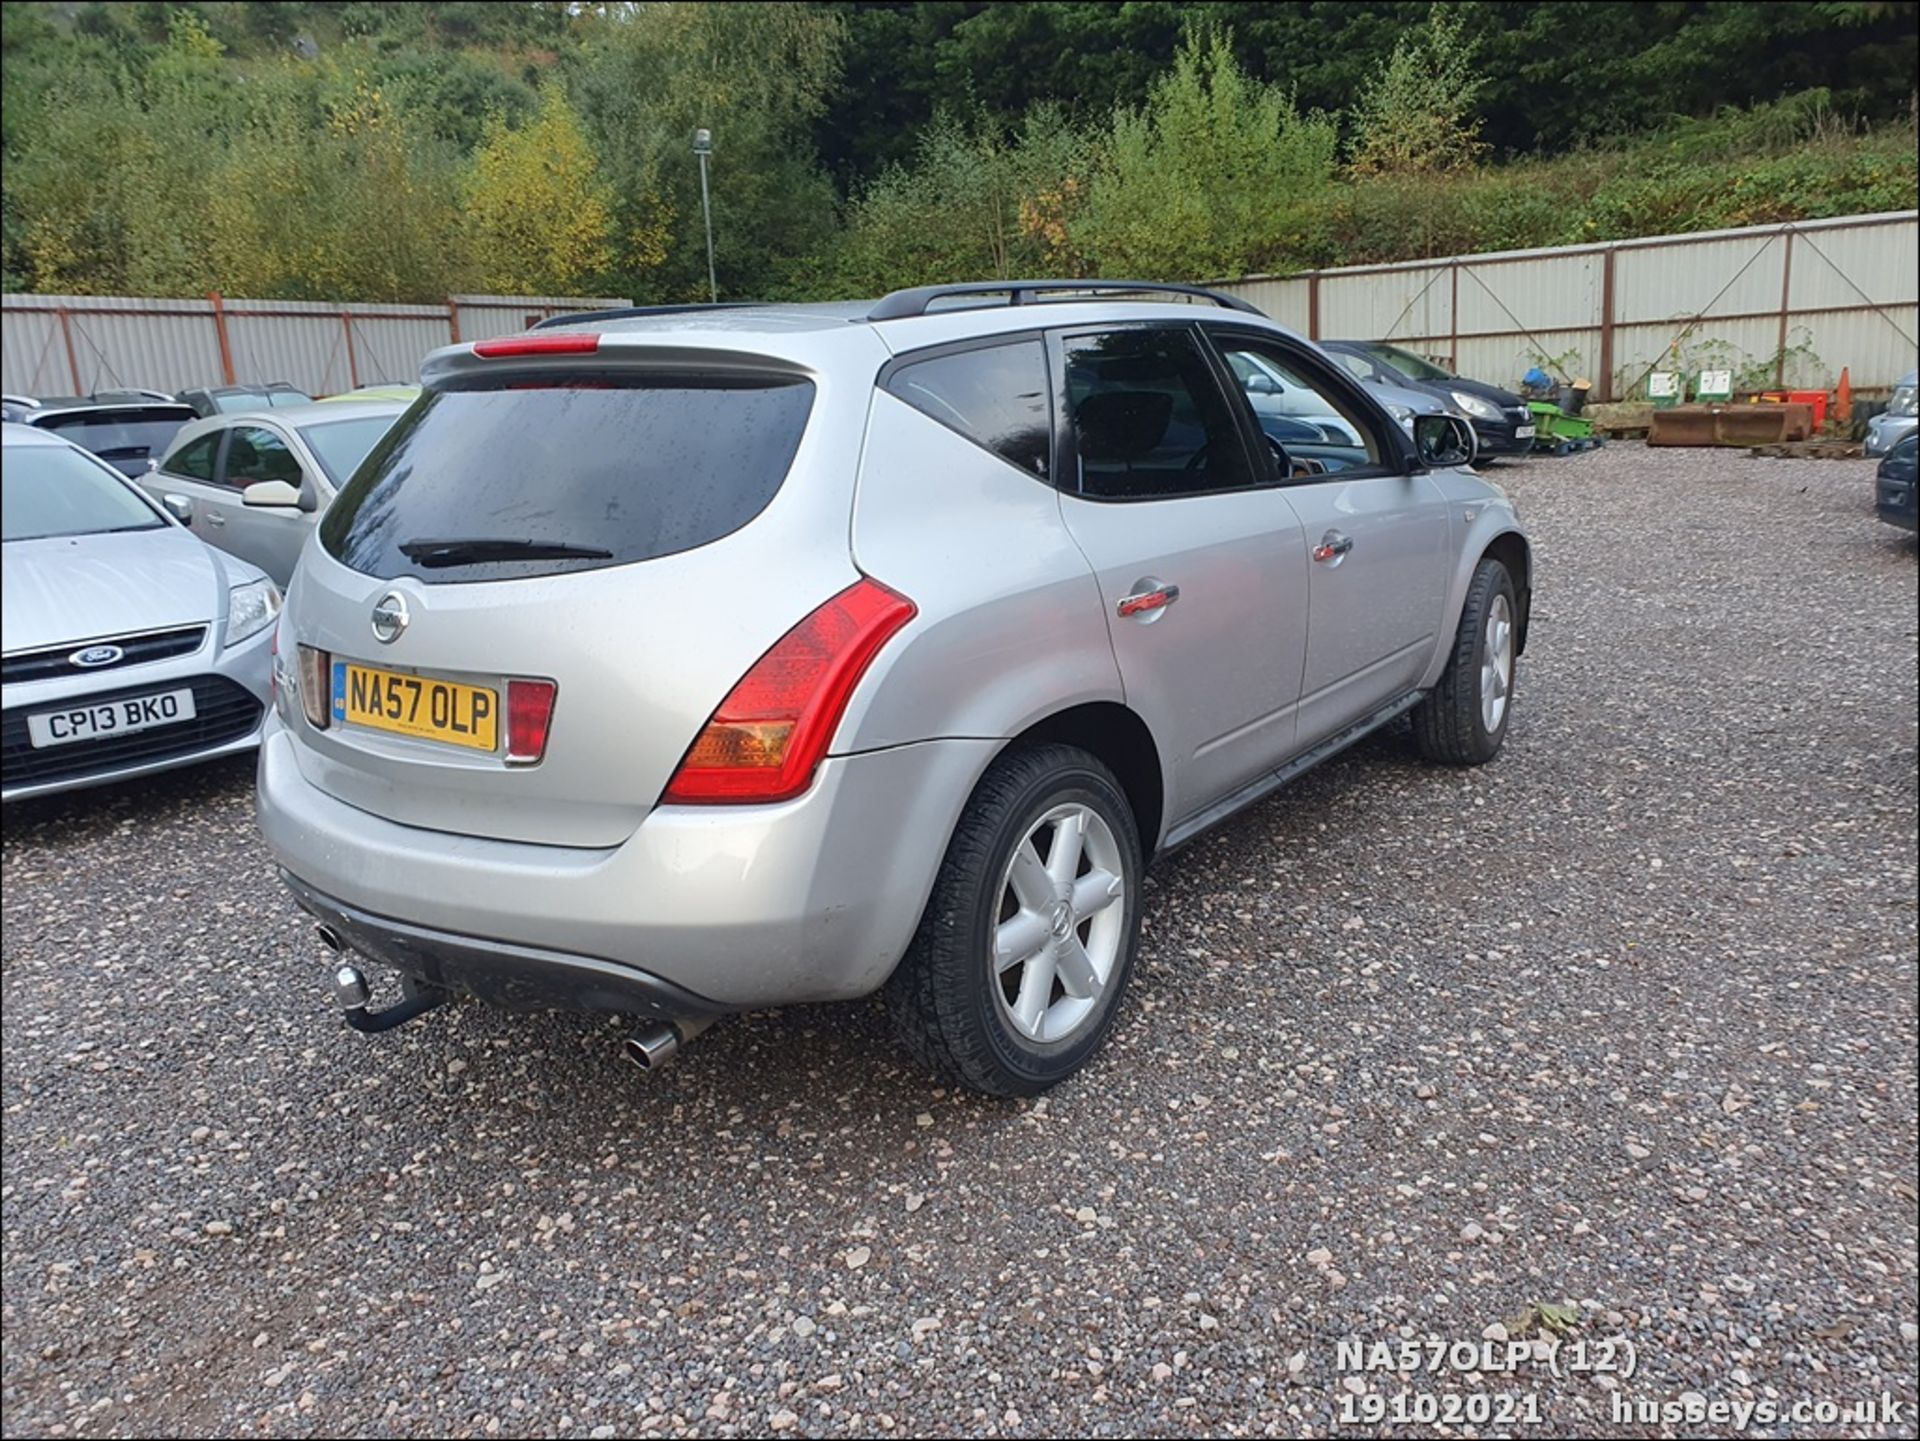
{"x":1464,"y":718}
{"x":1024,"y":950}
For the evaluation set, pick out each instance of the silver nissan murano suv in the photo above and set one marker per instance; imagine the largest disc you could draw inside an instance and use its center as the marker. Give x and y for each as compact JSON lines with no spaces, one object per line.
{"x":686,"y":661}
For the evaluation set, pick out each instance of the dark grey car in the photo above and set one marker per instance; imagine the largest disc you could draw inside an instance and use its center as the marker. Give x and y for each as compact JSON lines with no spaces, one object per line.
{"x":1502,"y":422}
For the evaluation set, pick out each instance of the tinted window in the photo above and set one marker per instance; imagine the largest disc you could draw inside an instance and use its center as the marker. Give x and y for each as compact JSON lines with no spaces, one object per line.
{"x":995,"y":396}
{"x":1149,"y":418}
{"x":341,"y":445}
{"x":127,"y":436}
{"x":630,"y":467}
{"x":1318,"y":428}
{"x":49,"y":490}
{"x":194,"y":460}
{"x":255,"y":454}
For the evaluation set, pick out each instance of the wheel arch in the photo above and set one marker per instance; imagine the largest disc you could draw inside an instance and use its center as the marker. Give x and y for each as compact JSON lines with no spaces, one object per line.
{"x":1510,"y":548}
{"x":1121,"y":741}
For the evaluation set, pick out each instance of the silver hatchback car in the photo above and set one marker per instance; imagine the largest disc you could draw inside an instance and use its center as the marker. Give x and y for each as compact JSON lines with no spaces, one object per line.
{"x":683,"y":662}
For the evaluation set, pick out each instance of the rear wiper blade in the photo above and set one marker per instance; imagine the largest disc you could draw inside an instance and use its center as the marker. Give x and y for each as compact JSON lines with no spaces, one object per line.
{"x":432,"y":553}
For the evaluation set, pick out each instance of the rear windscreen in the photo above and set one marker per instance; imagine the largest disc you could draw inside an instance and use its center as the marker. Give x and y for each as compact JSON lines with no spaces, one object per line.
{"x":122,"y":434}
{"x":534,"y":478}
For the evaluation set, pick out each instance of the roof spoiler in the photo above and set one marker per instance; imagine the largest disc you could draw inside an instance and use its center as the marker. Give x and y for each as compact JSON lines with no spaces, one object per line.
{"x":627,"y":312}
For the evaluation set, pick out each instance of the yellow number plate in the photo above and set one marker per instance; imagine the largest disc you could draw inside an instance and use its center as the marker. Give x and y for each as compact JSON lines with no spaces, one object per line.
{"x":416,"y":705}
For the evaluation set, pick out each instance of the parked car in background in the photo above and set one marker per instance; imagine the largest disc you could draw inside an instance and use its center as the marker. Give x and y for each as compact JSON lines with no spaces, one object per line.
{"x":14,"y":408}
{"x":1262,"y":383}
{"x":126,"y":645}
{"x":125,"y":434}
{"x":1502,"y":422}
{"x":404,"y":393}
{"x":252,"y":483}
{"x":132,"y":393}
{"x":1900,"y":419}
{"x":1894,"y":486}
{"x":692,"y":663}
{"x":228,"y":399}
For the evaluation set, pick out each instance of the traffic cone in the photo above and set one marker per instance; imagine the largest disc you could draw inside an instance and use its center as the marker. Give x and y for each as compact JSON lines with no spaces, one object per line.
{"x":1843,"y":399}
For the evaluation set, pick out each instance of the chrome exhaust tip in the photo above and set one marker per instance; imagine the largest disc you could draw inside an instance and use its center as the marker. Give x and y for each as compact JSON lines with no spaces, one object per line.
{"x":330,"y":938}
{"x":653,"y":1045}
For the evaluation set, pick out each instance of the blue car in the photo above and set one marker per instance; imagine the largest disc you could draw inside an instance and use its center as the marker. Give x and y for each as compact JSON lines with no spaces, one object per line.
{"x":1893,"y":486}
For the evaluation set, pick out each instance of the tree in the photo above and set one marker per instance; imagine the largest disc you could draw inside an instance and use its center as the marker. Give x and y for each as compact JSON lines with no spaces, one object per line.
{"x":328,"y":193}
{"x":1195,"y":183}
{"x":756,"y":75}
{"x":539,"y":219}
{"x":976,"y":201}
{"x":1416,"y":114}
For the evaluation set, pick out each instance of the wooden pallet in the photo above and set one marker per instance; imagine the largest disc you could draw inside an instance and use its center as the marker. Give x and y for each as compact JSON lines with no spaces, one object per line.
{"x":1820,"y":447}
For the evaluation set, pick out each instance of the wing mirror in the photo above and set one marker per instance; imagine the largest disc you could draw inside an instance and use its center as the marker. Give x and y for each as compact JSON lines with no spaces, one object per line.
{"x":1443,"y":441}
{"x":179,"y":507}
{"x":274,"y":494}
{"x":1259,"y":384}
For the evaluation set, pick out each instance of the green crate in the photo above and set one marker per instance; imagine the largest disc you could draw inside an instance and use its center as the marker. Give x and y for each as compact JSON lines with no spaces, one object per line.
{"x":1558,"y":433}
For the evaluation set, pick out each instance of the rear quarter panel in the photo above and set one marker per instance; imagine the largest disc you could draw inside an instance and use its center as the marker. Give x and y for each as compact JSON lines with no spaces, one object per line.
{"x":1009,"y":628}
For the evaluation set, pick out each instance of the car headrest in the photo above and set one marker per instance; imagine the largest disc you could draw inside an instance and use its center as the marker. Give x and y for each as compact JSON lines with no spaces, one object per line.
{"x":1122,"y":425}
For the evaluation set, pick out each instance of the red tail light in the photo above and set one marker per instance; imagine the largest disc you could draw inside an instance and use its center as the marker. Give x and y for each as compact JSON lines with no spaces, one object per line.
{"x":552,"y":344}
{"x":767,"y":737}
{"x":316,"y":673}
{"x":529,"y":714}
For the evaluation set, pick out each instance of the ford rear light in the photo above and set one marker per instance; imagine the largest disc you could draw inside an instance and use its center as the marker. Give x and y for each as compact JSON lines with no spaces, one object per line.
{"x":315,"y":676}
{"x":529,"y":716}
{"x":511,"y":345}
{"x":769,"y":735}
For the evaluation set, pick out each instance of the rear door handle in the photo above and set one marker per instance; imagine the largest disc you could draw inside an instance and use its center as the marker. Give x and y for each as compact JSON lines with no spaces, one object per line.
{"x":1145,"y":602}
{"x":1333,"y":545}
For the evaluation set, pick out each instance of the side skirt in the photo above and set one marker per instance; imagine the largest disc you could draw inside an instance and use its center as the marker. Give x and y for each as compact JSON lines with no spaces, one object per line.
{"x":1263,"y":786}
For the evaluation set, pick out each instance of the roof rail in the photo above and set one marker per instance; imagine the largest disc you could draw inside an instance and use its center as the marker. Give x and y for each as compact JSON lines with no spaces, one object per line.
{"x":904,"y":303}
{"x":627,"y":311}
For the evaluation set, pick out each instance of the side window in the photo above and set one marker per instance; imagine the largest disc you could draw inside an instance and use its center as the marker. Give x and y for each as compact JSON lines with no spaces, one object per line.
{"x":1317,"y":427}
{"x":194,"y":460}
{"x":254,"y":455}
{"x":1358,"y":366}
{"x":1149,"y":418}
{"x":995,"y":396}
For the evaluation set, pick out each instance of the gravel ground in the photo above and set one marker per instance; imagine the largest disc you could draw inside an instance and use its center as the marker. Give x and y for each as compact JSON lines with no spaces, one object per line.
{"x":1625,"y":1020}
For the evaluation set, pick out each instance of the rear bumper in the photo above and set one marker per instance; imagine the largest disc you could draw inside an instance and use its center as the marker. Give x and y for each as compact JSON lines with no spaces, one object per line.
{"x":712,"y":908}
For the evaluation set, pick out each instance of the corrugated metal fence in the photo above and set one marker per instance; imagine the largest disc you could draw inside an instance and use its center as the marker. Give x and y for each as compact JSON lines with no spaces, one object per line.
{"x":78,"y":344}
{"x":1787,"y":304}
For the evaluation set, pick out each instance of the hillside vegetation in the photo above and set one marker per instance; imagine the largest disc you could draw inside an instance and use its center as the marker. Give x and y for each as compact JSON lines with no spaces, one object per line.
{"x":406,"y":152}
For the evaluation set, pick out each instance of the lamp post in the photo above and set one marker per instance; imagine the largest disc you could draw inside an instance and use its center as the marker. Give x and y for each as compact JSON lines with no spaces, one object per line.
{"x":703,"y":147}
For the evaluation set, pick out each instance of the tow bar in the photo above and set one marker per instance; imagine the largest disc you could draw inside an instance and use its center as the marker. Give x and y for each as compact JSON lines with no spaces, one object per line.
{"x":351,"y":990}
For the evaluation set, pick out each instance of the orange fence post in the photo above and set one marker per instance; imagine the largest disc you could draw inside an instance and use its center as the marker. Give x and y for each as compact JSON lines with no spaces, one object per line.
{"x":220,"y":330}
{"x":1786,"y":297}
{"x":1606,"y":327}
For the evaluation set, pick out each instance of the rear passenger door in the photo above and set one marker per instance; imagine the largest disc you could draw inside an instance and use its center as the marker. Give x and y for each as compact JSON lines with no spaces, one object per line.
{"x":1195,"y":548}
{"x":1375,"y":545}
